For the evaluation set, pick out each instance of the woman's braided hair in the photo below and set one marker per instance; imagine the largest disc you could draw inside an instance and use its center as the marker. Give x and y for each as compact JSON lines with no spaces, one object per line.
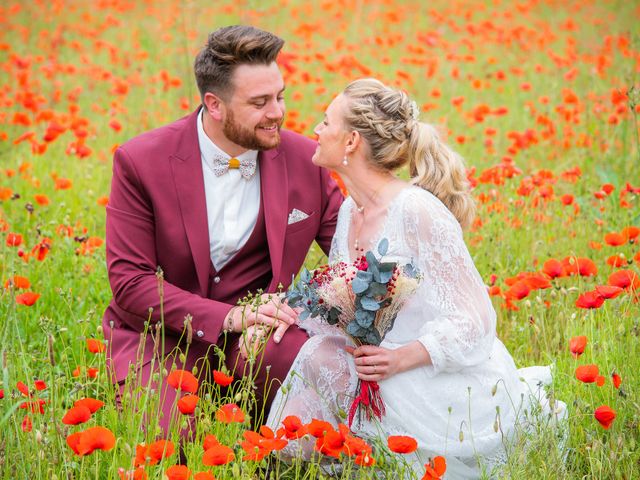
{"x":388,"y":121}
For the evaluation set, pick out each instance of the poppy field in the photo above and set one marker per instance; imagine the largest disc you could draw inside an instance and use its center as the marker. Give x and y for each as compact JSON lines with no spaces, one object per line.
{"x":541,"y":98}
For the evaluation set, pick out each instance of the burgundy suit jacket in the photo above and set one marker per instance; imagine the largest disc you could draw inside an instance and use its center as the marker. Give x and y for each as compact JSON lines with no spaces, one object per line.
{"x":157,"y":217}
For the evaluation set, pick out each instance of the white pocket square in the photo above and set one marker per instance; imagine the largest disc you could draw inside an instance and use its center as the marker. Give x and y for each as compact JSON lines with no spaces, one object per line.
{"x":296,"y":216}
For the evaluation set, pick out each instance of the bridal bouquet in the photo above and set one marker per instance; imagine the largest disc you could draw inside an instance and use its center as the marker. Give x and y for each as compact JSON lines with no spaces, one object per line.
{"x":363,"y":300}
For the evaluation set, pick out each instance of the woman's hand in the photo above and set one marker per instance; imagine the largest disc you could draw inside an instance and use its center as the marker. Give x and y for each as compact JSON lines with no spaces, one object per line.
{"x":378,"y":363}
{"x":375,"y":363}
{"x":251,"y":339}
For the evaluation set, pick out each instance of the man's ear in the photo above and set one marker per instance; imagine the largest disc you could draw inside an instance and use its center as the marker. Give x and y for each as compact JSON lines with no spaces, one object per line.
{"x":214,"y":105}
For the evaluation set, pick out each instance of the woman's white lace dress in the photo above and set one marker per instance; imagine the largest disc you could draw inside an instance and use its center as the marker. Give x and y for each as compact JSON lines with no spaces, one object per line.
{"x":472,"y":377}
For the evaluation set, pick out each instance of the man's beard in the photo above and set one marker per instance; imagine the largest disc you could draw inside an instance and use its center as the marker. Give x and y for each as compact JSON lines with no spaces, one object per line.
{"x":244,"y":137}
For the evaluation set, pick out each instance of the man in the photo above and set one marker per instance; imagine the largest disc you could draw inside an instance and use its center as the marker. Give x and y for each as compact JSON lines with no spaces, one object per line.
{"x":216,"y":232}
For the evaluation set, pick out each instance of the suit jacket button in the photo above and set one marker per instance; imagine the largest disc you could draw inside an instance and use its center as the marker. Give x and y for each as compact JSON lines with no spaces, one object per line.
{"x":200,"y":333}
{"x":216,"y":279}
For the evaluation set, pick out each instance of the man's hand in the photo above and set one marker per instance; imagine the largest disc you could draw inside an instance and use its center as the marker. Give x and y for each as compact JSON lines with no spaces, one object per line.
{"x":272,"y":313}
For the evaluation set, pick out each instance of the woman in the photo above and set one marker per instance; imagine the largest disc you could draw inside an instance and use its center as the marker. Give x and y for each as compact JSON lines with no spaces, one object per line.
{"x":445,"y":378}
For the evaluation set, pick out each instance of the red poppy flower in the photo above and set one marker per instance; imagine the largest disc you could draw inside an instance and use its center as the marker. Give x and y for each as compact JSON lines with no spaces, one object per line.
{"x":27,"y":298}
{"x":41,"y":199}
{"x":318,"y":428}
{"x":95,"y":346}
{"x":553,"y":268}
{"x":210,"y":441}
{"x":365,"y":460}
{"x":615,"y":239}
{"x":631,"y":233}
{"x":590,"y":300}
{"x":153,"y":453}
{"x":218,"y":455}
{"x":615,"y":378}
{"x":567,"y":199}
{"x":204,"y":476}
{"x":96,"y":438}
{"x":293,"y":427}
{"x":40,"y":385}
{"x":1,"y":394}
{"x":608,"y":291}
{"x":91,"y":403}
{"x":23,"y":389}
{"x":586,"y":267}
{"x":616,"y":261}
{"x":13,"y":239}
{"x":577,"y":345}
{"x":26,"y":424}
{"x":435,"y":468}
{"x":605,"y":416}
{"x":18,"y":282}
{"x":187,"y":404}
{"x":627,"y":279}
{"x":177,"y":472}
{"x":137,"y":474}
{"x":331,"y":444}
{"x":587,"y":373}
{"x":230,"y":413}
{"x":402,"y":444}
{"x":258,"y":446}
{"x":518,"y":290}
{"x":222,"y":379}
{"x":355,"y":446}
{"x":92,"y":372}
{"x":76,"y":415}
{"x":183,"y":380}
{"x":73,"y":441}
{"x":36,"y":406}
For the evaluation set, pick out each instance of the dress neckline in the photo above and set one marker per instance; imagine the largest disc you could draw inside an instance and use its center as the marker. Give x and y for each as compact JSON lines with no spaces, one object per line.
{"x":375,"y":240}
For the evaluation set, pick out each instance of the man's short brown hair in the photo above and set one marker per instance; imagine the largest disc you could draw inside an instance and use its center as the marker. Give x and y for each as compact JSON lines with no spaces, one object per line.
{"x":229,"y":47}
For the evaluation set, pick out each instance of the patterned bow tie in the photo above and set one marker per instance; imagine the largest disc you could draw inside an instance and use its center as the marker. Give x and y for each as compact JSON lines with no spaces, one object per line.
{"x":222,"y":165}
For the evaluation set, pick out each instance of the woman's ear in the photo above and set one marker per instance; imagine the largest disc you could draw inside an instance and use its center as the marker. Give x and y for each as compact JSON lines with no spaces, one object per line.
{"x":353,"y":141}
{"x":214,"y":105}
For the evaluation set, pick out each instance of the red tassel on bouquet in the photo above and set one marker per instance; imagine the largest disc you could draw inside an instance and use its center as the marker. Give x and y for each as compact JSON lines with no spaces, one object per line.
{"x":371,"y":400}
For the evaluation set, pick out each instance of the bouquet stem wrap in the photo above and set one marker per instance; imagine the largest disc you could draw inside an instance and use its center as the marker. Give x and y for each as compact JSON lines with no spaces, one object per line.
{"x":370,"y":398}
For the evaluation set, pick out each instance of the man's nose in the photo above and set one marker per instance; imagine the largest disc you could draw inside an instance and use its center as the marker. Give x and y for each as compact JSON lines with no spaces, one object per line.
{"x":276,"y":110}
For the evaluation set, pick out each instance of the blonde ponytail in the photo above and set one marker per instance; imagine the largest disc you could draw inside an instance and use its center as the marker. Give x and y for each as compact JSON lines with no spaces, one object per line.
{"x":387,"y":119}
{"x":434,"y":166}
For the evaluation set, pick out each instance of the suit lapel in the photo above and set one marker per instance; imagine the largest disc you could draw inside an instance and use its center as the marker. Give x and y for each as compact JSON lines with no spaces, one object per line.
{"x":189,"y":181}
{"x":274,"y":185}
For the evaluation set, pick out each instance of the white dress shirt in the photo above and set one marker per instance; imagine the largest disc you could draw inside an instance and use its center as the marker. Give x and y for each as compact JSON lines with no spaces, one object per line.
{"x":232,"y":202}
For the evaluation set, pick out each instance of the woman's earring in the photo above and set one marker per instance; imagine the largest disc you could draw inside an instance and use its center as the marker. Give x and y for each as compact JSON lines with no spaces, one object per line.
{"x":345,"y":162}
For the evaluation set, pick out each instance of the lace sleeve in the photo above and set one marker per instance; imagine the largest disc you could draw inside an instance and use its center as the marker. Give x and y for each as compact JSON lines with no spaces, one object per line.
{"x":459,"y":325}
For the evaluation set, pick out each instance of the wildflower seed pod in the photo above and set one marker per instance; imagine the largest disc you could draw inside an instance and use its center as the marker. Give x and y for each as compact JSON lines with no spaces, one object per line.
{"x":194,"y":370}
{"x":461,"y":436}
{"x":238,"y":397}
{"x":494,"y":389}
{"x":496,"y":426}
{"x":183,"y":358}
{"x":99,"y":329}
